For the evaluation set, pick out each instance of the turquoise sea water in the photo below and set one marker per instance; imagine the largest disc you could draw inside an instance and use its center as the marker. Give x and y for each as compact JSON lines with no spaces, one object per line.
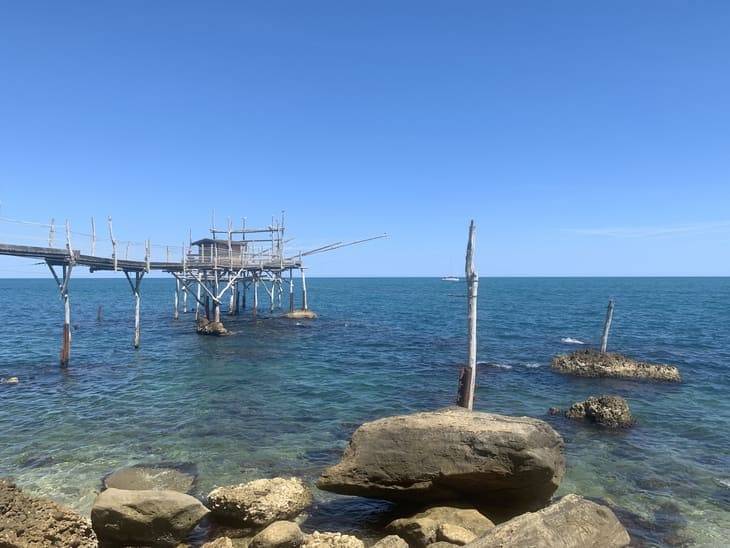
{"x":282,"y":397}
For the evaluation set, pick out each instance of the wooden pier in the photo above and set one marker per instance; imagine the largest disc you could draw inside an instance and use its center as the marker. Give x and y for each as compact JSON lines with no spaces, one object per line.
{"x":222,"y":266}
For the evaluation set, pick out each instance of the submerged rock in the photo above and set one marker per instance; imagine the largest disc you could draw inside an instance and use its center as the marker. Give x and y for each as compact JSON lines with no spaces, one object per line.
{"x":609,"y":411}
{"x":207,"y":327}
{"x":260,"y":502}
{"x":300,"y":315}
{"x":591,"y":363}
{"x":572,"y":522}
{"x":9,"y":380}
{"x":161,"y":518}
{"x":144,"y":477}
{"x":451,"y":454}
{"x":332,"y":540}
{"x":280,"y":534}
{"x":32,"y":521}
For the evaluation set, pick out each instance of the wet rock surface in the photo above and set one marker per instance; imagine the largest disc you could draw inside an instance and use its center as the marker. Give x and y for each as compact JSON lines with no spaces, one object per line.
{"x":608,"y":411}
{"x":207,"y":327}
{"x":152,"y":517}
{"x":441,"y":523}
{"x":332,"y":540}
{"x":572,"y":522}
{"x":451,"y":454}
{"x":260,"y":502}
{"x":391,"y":541}
{"x":27,"y":521}
{"x":591,"y":363}
{"x":280,"y":534}
{"x":144,"y":477}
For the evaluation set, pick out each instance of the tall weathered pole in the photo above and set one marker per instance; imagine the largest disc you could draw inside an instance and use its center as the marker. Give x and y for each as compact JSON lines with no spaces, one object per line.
{"x":467,"y":381}
{"x":607,"y":326}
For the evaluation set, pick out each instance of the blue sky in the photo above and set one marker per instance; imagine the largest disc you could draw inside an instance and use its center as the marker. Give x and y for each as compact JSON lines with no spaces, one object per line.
{"x":584,"y":138}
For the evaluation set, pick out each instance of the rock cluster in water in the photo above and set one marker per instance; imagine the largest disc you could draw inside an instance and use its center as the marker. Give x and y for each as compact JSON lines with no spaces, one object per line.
{"x":591,"y":363}
{"x":30,"y":521}
{"x":608,"y":411}
{"x":208,"y":327}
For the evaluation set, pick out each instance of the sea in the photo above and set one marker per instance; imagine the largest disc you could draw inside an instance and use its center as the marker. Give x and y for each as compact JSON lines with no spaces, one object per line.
{"x":282,"y":397}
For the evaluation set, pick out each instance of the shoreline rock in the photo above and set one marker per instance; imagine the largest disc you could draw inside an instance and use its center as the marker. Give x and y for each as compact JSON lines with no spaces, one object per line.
{"x":33,"y":521}
{"x":441,"y":523}
{"x":571,"y":522}
{"x":260,"y":502}
{"x":301,"y":315}
{"x":591,"y":363}
{"x":145,"y":477}
{"x":159,"y":518}
{"x":452,"y":454}
{"x":332,"y":540}
{"x":608,"y":411}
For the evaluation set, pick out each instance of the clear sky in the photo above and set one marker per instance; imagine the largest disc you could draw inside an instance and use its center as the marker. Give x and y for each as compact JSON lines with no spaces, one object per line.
{"x":585,"y":138}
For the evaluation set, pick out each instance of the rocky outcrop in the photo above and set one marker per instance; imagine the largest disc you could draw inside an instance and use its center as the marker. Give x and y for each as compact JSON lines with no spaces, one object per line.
{"x":441,"y":523}
{"x":451,"y":454}
{"x":572,"y":522}
{"x":590,"y":363}
{"x":151,"y":517}
{"x":207,"y":327}
{"x":31,"y":521}
{"x":144,"y":477}
{"x":301,"y":315}
{"x":280,"y":534}
{"x":220,"y":542}
{"x":608,"y":411}
{"x":332,"y":540}
{"x":391,"y":541}
{"x":260,"y":502}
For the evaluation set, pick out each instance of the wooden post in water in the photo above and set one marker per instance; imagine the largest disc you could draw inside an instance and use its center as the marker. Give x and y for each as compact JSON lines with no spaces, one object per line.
{"x":607,"y":326}
{"x":135,"y":286}
{"x":66,"y":344}
{"x":176,"y":306}
{"x":255,"y":309}
{"x":467,"y":379}
{"x":305,"y":302}
{"x":291,"y":290}
{"x":197,"y":301}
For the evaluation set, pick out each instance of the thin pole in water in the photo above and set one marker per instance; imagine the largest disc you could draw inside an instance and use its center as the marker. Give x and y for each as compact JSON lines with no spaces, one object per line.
{"x":467,"y":380}
{"x":607,"y":326}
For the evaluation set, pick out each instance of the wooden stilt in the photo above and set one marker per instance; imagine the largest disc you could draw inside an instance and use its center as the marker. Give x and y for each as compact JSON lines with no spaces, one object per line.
{"x":197,"y":301}
{"x":291,"y":290}
{"x":255,"y":296}
{"x":305,"y":302}
{"x":185,"y":299}
{"x":216,"y":302}
{"x":607,"y":326}
{"x":176,"y":308}
{"x":66,"y":344}
{"x":467,"y":380}
{"x":138,"y":275}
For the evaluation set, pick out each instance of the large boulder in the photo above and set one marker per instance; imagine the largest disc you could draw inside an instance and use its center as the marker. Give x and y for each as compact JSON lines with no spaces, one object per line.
{"x":151,"y":517}
{"x":280,"y":534}
{"x":31,"y":521}
{"x":609,"y":411}
{"x":206,"y":327}
{"x":590,"y":363}
{"x":391,"y":541}
{"x":439,"y":524}
{"x":260,"y":502}
{"x":572,"y":522}
{"x":451,"y":454}
{"x":144,"y":477}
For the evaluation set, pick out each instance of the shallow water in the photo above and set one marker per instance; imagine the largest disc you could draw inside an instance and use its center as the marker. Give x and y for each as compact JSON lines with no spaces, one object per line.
{"x":282,"y":397}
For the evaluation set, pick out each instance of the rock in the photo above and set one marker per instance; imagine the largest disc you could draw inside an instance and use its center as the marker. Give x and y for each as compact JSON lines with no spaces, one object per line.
{"x":300,"y":315}
{"x":280,"y":534}
{"x":32,"y":521}
{"x":207,"y":327}
{"x":9,"y":380}
{"x":143,"y":477}
{"x":609,"y":411}
{"x":422,"y":529}
{"x":220,"y":542}
{"x":391,"y":541}
{"x":448,"y":532}
{"x":572,"y":522}
{"x":332,"y":540}
{"x":260,"y":502}
{"x":442,"y":544}
{"x":554,"y":411}
{"x":145,"y":517}
{"x":451,"y":454}
{"x":591,"y":363}
{"x":417,"y":531}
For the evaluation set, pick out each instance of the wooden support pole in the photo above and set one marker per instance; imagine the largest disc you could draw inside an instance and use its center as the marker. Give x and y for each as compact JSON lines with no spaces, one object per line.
{"x":255,"y":295}
{"x":467,"y":381}
{"x":197,"y":301}
{"x":291,"y":290}
{"x":607,"y":326}
{"x":176,"y":308}
{"x":216,"y":301}
{"x":243,"y":295}
{"x":305,"y":301}
{"x":66,"y":343}
{"x":135,"y":286}
{"x":185,"y":299}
